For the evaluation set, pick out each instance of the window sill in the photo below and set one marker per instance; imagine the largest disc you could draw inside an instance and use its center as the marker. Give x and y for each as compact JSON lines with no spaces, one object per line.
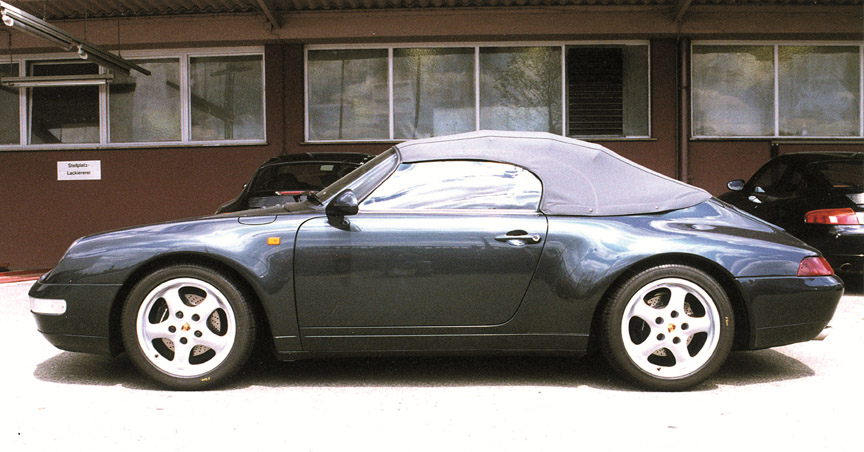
{"x":123,"y":146}
{"x":393,"y":142}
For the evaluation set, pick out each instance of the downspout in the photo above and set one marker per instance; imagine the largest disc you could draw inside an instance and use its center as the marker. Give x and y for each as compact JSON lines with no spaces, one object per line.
{"x":684,"y":110}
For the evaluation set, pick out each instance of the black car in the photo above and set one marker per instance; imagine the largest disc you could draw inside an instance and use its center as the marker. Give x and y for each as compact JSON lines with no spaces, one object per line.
{"x":289,"y":177}
{"x":486,"y":242}
{"x":815,"y":196}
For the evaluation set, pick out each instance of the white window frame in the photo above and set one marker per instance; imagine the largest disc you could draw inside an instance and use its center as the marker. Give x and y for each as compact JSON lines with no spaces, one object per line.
{"x":184,"y":56}
{"x":476,"y":46}
{"x":776,"y":49}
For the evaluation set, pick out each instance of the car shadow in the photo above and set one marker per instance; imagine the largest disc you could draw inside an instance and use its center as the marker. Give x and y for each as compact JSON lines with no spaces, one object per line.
{"x":740,"y":369}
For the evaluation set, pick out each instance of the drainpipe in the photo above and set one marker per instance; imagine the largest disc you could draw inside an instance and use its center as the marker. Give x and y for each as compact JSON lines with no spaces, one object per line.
{"x":684,"y":110}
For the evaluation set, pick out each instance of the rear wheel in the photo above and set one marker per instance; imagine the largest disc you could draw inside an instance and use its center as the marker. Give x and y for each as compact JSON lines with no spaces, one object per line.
{"x":668,"y":328}
{"x":188,"y":327}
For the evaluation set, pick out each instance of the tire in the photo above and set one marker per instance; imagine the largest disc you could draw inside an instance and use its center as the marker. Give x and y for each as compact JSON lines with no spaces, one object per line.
{"x":667,"y":328}
{"x":188,"y":327}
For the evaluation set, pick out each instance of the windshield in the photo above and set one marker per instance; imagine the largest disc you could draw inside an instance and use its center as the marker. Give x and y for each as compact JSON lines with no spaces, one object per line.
{"x":364,"y":179}
{"x":298,"y":177}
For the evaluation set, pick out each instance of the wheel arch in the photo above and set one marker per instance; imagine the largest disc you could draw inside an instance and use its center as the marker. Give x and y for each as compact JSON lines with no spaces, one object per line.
{"x":713,"y":269}
{"x":163,"y":261}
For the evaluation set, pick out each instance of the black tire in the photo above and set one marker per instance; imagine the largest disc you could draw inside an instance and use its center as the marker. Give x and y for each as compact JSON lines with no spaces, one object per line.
{"x":188,"y":327}
{"x":667,"y":328}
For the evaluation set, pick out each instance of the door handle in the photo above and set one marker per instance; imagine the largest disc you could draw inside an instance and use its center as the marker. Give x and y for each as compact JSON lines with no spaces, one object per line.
{"x":519,"y":236}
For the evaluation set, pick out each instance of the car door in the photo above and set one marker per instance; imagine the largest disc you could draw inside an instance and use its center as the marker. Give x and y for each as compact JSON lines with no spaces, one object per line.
{"x":438,"y":244}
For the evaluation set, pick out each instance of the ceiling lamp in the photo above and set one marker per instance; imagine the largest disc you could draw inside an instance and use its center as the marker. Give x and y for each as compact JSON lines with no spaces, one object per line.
{"x":32,"y":25}
{"x":57,"y":80}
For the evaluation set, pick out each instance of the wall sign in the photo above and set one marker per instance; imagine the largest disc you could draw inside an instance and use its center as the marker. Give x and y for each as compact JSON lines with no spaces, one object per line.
{"x":80,"y":170}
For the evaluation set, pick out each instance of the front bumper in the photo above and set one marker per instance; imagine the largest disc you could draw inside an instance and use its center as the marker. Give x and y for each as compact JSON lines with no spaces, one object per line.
{"x":75,"y":317}
{"x":786,"y":310}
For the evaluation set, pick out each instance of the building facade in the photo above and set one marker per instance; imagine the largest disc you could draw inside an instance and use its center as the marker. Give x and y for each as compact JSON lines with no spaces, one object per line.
{"x":701,"y":90}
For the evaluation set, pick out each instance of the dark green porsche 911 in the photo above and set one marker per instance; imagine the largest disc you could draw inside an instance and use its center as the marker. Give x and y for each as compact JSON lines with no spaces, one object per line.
{"x":486,"y":242}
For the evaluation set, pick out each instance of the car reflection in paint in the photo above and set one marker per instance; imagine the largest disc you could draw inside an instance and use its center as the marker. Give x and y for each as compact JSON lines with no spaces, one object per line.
{"x":485,"y":242}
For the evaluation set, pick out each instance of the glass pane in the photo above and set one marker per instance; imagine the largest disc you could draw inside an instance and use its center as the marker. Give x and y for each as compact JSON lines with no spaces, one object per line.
{"x":819,"y":93}
{"x":227,"y":97}
{"x":457,"y":185}
{"x":348,"y":95}
{"x":9,"y":111}
{"x":433,"y":92}
{"x":520,"y":89}
{"x":298,"y":176}
{"x":733,"y":90}
{"x":842,"y":174}
{"x":146,"y":108}
{"x":607,"y":90}
{"x":66,"y":114}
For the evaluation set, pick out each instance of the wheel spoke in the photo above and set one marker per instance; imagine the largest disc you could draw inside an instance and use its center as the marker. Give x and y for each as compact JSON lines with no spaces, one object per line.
{"x":698,"y":325}
{"x":677,"y":298}
{"x":206,"y":307}
{"x":680,"y":352}
{"x":175,"y":304}
{"x":645,"y":312}
{"x":208,"y":339}
{"x":648,"y":347}
{"x":156,"y":330}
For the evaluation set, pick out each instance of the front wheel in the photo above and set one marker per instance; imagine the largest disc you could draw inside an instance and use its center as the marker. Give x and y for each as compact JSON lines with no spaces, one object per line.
{"x":188,"y":327}
{"x":668,"y":328}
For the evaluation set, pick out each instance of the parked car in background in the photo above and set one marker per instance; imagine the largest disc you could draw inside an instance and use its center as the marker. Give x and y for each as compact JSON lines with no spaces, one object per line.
{"x":287,"y":178}
{"x":484,"y":242}
{"x":815,"y":196}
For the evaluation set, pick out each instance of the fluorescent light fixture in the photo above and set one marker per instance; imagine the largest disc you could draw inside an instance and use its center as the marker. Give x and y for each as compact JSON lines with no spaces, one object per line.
{"x":32,"y":25}
{"x":57,"y":80}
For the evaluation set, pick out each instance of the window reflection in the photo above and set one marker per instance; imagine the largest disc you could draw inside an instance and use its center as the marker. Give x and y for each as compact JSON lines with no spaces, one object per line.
{"x":146,"y":108}
{"x":457,"y":185}
{"x":64,"y":114}
{"x":348,"y":94}
{"x":227,"y":97}
{"x":433,"y":91}
{"x":520,"y":88}
{"x":819,"y":91}
{"x":733,"y":90}
{"x":9,"y":113}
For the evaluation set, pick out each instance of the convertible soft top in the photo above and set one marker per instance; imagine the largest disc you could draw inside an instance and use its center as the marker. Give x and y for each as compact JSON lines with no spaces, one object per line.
{"x":579,"y":178}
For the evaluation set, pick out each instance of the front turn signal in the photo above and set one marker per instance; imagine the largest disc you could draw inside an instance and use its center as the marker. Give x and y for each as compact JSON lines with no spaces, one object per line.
{"x":815,"y":266}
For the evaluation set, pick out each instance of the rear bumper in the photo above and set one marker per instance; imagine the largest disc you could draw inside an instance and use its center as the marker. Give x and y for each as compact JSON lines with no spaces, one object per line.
{"x":786,"y":310}
{"x":84,"y":325}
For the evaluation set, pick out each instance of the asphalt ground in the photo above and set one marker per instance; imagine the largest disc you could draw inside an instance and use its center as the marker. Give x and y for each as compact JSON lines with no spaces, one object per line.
{"x":800,"y":397}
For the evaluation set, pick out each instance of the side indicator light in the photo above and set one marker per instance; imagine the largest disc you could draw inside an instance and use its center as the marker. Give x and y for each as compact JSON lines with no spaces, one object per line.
{"x":832,"y":216}
{"x":815,"y":266}
{"x":273,"y":240}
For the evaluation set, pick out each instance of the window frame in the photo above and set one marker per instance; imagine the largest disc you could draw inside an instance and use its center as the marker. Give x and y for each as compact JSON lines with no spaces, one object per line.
{"x":776,"y":105}
{"x":476,"y":46}
{"x":183,"y":55}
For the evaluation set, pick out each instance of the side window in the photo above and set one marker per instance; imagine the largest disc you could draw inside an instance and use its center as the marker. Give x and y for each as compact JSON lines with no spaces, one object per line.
{"x":778,"y":179}
{"x":457,"y":184}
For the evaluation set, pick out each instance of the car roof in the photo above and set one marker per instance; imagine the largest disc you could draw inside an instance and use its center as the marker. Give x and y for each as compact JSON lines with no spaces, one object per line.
{"x":803,"y":158}
{"x":579,"y":178}
{"x":351,"y":157}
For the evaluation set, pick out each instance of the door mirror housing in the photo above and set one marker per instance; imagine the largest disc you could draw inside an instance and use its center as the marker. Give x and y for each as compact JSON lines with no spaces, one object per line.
{"x":735,"y":185}
{"x":344,"y":204}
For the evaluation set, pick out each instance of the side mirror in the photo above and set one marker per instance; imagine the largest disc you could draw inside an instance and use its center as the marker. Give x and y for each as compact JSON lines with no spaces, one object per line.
{"x":735,"y":185}
{"x":343,"y":204}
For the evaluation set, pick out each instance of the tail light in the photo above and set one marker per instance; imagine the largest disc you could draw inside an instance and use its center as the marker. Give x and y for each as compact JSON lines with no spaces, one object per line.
{"x":815,"y":266}
{"x":834,"y":216}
